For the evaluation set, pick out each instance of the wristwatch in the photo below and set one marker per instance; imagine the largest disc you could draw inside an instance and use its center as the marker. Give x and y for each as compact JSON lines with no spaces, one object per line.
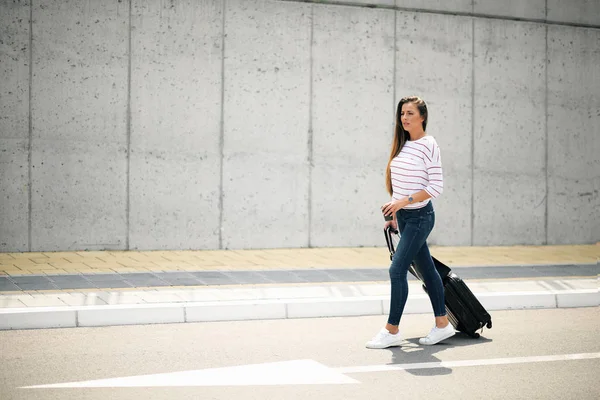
{"x":410,"y":199}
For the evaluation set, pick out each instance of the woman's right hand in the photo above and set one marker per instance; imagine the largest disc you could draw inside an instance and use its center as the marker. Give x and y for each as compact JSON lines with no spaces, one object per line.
{"x":391,"y":223}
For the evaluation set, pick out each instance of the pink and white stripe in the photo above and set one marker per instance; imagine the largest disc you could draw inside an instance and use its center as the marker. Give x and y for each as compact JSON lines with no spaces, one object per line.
{"x":418,"y":167}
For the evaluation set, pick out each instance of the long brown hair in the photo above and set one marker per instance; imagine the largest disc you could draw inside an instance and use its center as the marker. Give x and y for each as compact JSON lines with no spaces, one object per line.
{"x":401,"y":136}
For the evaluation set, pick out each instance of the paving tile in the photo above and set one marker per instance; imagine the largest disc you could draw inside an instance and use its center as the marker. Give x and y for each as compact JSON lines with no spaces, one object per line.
{"x":248,"y":277}
{"x":64,"y":285}
{"x":19,"y":273}
{"x":160,"y":297}
{"x":376,"y":274}
{"x":208,"y":274}
{"x":135,"y":264}
{"x":346,"y":275}
{"x":174,"y":275}
{"x":68,"y":278}
{"x":30,"y":279}
{"x":120,"y":298}
{"x":93,"y":261}
{"x":146,"y":282}
{"x":28,"y":255}
{"x":43,"y":301}
{"x":25,"y":263}
{"x":103,"y":277}
{"x":11,"y":271}
{"x":283,"y":276}
{"x":80,"y":299}
{"x":200,"y":295}
{"x":140,"y":275}
{"x":124,"y":270}
{"x":191,"y":281}
{"x":120,"y":284}
{"x":214,"y":278}
{"x":11,"y":303}
{"x":8,"y":286}
{"x":568,"y":270}
{"x":314,"y":276}
{"x":55,"y":271}
{"x":38,"y":286}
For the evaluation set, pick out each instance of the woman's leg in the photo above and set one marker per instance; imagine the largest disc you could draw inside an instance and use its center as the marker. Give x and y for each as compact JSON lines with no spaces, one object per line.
{"x":435,"y":288}
{"x":433,"y":282}
{"x":413,"y":235}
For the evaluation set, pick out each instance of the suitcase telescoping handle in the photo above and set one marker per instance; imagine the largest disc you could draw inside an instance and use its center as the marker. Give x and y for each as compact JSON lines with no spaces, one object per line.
{"x":388,"y":238}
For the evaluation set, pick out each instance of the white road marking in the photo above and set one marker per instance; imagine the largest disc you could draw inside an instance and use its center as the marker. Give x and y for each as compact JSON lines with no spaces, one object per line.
{"x":296,"y":372}
{"x":467,"y":363}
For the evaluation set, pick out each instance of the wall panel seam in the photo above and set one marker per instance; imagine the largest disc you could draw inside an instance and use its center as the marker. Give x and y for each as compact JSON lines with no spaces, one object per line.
{"x":546,"y":137}
{"x":222,"y":123}
{"x":30,"y":133}
{"x":394,"y":74}
{"x":310,"y":124}
{"x":472,"y":131}
{"x":128,"y":133}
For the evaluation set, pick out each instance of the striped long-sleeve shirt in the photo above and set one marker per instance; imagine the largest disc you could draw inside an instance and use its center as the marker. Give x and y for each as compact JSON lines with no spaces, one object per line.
{"x":417,"y":167}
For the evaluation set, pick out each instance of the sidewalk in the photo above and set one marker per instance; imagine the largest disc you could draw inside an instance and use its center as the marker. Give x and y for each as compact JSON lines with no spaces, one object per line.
{"x":102,"y":262}
{"x":69,"y":289}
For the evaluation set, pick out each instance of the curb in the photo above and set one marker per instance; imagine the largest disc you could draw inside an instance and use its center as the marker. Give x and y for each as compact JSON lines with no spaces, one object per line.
{"x":242,"y":310}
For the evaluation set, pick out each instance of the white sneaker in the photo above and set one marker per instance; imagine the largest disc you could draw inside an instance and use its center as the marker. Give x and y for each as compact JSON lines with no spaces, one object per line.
{"x":384,"y":339}
{"x":437,"y":335}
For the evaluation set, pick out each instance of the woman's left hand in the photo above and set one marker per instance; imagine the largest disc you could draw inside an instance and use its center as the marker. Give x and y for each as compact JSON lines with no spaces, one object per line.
{"x":393,"y":206}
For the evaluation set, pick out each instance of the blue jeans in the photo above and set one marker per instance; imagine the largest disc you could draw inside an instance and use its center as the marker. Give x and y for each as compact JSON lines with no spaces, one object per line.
{"x":414,"y":227}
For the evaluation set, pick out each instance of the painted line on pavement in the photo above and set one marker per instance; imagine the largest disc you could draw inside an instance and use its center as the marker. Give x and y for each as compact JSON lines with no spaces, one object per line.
{"x":294,"y":372}
{"x":468,"y":363}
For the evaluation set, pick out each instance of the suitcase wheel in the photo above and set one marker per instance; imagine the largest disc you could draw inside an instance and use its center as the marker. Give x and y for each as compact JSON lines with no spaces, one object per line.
{"x":489,"y":324}
{"x":475,"y":335}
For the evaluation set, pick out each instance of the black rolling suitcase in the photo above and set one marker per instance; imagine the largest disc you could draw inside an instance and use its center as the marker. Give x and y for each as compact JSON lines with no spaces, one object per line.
{"x":464,"y":311}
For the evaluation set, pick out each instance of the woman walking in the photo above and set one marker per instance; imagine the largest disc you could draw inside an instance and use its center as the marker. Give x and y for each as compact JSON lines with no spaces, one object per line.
{"x":413,"y":177}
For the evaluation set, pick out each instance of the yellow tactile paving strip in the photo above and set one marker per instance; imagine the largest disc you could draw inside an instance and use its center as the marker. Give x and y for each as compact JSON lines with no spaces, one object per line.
{"x":90,"y":262}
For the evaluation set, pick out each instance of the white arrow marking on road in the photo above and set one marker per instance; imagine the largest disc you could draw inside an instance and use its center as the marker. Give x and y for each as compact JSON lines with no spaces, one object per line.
{"x":297,"y":372}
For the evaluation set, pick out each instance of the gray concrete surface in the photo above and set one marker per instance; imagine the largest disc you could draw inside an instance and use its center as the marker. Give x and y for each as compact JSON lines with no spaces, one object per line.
{"x":71,"y":355}
{"x":14,"y":125}
{"x":531,"y":9}
{"x":176,"y":87}
{"x":252,"y":124}
{"x":573,"y":104}
{"x":448,"y":40}
{"x":509,"y":133}
{"x":266,"y":113}
{"x":79,"y":100}
{"x":352,"y":105}
{"x":574,"y":11}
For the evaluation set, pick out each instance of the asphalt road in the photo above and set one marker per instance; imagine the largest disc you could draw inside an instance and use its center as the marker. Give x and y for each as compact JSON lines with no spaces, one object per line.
{"x":314,"y":359}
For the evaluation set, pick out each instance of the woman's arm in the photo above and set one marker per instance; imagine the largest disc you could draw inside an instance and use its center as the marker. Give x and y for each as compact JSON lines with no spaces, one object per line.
{"x":393,"y":206}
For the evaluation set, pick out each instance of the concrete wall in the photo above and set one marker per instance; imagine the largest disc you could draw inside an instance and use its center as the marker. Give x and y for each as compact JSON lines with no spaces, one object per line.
{"x":211,"y":124}
{"x":14,"y":126}
{"x":175,"y":153}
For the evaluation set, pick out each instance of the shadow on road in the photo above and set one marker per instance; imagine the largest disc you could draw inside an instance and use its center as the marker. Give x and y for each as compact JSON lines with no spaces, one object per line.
{"x":411,"y":352}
